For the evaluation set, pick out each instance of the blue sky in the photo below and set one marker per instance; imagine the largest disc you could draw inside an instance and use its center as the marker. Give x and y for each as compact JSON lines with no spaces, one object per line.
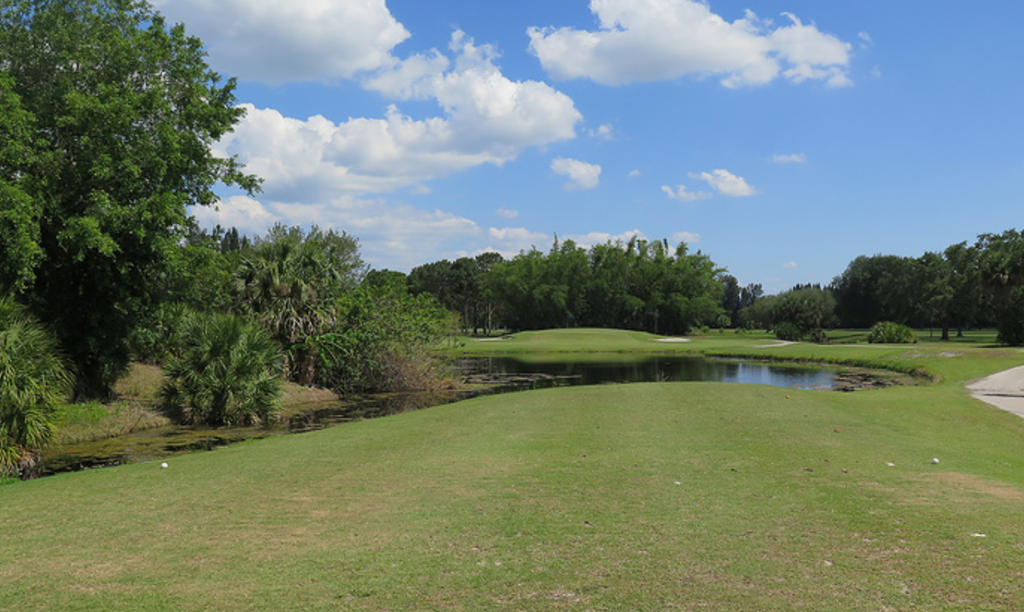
{"x":782,"y":138}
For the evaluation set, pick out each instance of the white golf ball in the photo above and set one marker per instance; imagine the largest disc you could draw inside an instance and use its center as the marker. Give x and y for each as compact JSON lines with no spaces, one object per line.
{"x":935,"y":460}
{"x":163,"y":465}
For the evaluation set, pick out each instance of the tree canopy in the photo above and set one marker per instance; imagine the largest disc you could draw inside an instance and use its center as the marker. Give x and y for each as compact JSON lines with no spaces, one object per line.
{"x":108,"y":116}
{"x":636,"y":285}
{"x":290,"y":280}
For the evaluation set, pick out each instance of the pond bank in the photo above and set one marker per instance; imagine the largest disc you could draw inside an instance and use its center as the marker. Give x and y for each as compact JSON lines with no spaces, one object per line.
{"x":312,"y":409}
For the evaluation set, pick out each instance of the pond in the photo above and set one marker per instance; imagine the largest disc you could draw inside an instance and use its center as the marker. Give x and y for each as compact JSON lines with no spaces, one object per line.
{"x":482,"y":375}
{"x":538,"y":374}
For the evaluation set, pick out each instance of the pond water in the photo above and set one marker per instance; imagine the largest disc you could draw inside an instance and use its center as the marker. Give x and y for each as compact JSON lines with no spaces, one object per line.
{"x":483,"y":376}
{"x":654,"y":369}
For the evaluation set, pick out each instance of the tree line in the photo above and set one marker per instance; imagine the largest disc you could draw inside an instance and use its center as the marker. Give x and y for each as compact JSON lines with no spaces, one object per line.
{"x":648,"y":286}
{"x":965,"y":285}
{"x":639,"y":284}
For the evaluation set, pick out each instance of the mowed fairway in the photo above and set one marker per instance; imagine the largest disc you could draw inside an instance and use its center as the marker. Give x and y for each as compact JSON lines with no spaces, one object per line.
{"x":672,"y":496}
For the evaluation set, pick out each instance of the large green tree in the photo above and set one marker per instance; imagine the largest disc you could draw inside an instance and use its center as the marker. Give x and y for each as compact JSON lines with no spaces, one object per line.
{"x":459,"y":286}
{"x":1002,"y":274}
{"x":19,"y":229}
{"x":121,"y":111}
{"x":880,"y":288}
{"x":805,"y":308}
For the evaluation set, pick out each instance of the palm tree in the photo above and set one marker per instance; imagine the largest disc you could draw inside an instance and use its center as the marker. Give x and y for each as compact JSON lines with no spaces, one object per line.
{"x":289,"y":282}
{"x":34,"y":380}
{"x":228,"y":373}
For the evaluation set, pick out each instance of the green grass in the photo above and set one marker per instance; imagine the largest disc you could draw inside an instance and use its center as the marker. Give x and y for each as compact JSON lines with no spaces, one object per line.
{"x":674,"y":496}
{"x":563,"y":340}
{"x":136,"y":408}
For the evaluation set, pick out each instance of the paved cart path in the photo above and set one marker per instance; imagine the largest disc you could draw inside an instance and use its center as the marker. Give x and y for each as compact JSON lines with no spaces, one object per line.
{"x":1003,"y":389}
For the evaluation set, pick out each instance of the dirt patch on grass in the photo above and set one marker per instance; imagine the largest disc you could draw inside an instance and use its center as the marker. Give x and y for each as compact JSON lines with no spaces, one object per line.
{"x":971,"y":486}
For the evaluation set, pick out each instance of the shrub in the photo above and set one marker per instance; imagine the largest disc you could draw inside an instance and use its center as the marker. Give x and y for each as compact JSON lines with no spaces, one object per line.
{"x":818,"y":336}
{"x":788,"y":331}
{"x":229,"y":373}
{"x":384,"y":341}
{"x":887,"y":332}
{"x":1010,"y":330}
{"x":34,"y":380}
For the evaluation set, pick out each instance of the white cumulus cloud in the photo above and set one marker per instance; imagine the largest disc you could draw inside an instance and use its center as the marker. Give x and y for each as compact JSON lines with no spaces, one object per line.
{"x":687,"y":237}
{"x":506,"y":213}
{"x":656,"y":40}
{"x":247,"y":215}
{"x":789,"y":158}
{"x":391,"y":235}
{"x":277,"y":42}
{"x":683,"y":195}
{"x":595,"y":238}
{"x":726,"y":183}
{"x":487,"y":119}
{"x":605,"y":131}
{"x":510,"y":241}
{"x":581,"y":175}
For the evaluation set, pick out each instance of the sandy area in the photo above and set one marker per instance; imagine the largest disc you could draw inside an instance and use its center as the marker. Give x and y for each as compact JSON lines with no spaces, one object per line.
{"x":1003,"y":390}
{"x":672,"y":340}
{"x":774,"y":344}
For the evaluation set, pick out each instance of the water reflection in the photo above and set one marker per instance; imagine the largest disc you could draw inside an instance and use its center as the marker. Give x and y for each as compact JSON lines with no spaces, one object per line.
{"x":656,"y":369}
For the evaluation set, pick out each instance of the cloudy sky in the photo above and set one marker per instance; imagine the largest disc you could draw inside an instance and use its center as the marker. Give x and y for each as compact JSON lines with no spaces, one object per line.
{"x":782,"y":138}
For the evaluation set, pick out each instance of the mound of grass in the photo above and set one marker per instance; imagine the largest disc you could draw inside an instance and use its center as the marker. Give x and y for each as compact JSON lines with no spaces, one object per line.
{"x":584,"y":340}
{"x":629,"y":497}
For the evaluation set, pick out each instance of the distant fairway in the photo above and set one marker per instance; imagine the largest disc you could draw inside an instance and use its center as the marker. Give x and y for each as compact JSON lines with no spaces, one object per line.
{"x":684,"y":496}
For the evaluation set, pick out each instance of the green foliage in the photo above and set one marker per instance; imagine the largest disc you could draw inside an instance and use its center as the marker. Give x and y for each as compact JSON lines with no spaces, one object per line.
{"x":34,"y":380}
{"x":121,"y":111}
{"x":736,"y":298}
{"x":818,"y":336}
{"x":799,"y":312}
{"x":789,"y":331}
{"x":19,"y":231}
{"x":936,"y":288}
{"x":639,"y":285}
{"x":229,"y":373}
{"x":290,"y":281}
{"x":383,"y":340}
{"x":1001,"y":264}
{"x":879,"y":288}
{"x":159,"y":337}
{"x":759,"y":314}
{"x":460,"y":287}
{"x":887,"y":332}
{"x":200,"y":270}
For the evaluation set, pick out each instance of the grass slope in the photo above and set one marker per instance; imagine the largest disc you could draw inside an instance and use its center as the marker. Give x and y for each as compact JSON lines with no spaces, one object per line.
{"x":642,"y":497}
{"x":576,"y":340}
